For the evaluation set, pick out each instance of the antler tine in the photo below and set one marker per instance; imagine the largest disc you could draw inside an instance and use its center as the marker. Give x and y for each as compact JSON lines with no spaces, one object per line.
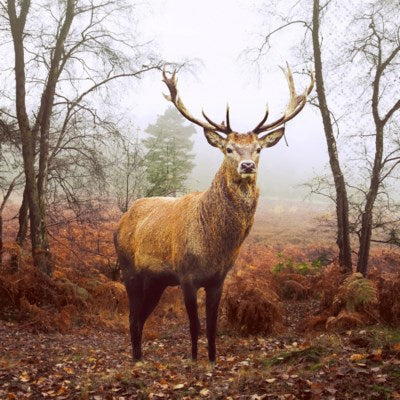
{"x":177,"y":102}
{"x":171,"y":84}
{"x":228,"y":124}
{"x":219,"y":127}
{"x":295,"y":105}
{"x":255,"y":130}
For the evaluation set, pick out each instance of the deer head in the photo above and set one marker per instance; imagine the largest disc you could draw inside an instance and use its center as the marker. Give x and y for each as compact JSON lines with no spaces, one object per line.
{"x":242,"y":150}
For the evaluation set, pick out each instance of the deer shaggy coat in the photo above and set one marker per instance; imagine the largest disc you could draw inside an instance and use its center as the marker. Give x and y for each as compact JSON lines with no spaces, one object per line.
{"x":193,"y":239}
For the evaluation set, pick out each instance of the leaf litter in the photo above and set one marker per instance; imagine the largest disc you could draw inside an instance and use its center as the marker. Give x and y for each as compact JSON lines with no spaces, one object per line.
{"x":97,"y":364}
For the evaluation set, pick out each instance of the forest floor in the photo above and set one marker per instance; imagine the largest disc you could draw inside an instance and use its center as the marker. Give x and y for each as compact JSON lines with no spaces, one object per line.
{"x":298,"y":363}
{"x":97,"y":364}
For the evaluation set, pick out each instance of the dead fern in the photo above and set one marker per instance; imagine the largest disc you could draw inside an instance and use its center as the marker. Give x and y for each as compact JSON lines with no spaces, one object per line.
{"x":358,"y":292}
{"x":251,"y":308}
{"x":344,"y":321}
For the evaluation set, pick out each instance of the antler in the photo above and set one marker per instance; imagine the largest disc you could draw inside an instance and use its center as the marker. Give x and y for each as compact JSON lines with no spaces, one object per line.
{"x":177,"y":102}
{"x":295,"y":105}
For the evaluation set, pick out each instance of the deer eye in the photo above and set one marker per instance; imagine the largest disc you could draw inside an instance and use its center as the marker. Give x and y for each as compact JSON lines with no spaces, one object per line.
{"x":229,"y":150}
{"x":258,"y":150}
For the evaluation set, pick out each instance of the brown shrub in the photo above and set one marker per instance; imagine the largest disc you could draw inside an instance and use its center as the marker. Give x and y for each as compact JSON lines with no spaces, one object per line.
{"x":316,"y":323}
{"x":171,"y":304}
{"x":388,"y":286}
{"x":327,"y":285}
{"x":294,"y":290}
{"x":344,"y":321}
{"x":111,"y":296}
{"x":251,"y":308}
{"x":67,"y":318}
{"x":32,"y":285}
{"x":358,"y":293}
{"x":53,"y":304}
{"x":347,"y":301}
{"x":41,"y":320}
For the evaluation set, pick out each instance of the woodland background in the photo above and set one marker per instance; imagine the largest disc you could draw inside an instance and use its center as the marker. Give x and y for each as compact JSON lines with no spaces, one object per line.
{"x":312,"y":307}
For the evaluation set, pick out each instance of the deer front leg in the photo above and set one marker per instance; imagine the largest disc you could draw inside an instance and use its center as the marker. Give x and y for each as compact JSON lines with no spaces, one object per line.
{"x":213,"y":297}
{"x":190,"y":297}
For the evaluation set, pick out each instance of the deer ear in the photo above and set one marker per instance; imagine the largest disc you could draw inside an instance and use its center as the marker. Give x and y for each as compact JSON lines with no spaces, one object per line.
{"x":272,"y":138}
{"x":214,"y":139}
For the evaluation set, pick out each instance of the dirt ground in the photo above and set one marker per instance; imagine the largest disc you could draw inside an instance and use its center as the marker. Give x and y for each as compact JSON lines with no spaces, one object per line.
{"x":96,"y":364}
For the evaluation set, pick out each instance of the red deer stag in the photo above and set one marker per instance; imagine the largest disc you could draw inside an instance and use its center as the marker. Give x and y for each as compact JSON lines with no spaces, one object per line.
{"x":194,"y":240}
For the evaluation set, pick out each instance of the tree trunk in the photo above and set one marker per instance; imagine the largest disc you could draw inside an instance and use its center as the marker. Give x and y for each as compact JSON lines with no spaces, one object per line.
{"x":17,"y":25}
{"x":46,"y":109}
{"x":366,"y":219}
{"x":36,"y":189}
{"x":1,"y":240}
{"x":23,"y":221}
{"x":22,"y":231}
{"x":342,"y":204}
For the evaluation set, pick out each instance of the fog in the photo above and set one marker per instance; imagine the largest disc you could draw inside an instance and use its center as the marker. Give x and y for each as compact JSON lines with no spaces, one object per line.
{"x":215,"y":36}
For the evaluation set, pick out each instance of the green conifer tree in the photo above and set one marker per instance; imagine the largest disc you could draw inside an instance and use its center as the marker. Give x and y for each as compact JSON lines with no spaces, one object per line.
{"x":168,"y":160}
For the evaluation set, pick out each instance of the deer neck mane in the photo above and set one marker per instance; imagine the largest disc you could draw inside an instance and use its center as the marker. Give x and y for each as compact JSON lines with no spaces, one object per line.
{"x":230,"y":188}
{"x":227,"y":208}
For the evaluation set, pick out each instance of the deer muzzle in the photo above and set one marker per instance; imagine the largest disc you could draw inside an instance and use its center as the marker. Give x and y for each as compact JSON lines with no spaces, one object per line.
{"x":247,"y":167}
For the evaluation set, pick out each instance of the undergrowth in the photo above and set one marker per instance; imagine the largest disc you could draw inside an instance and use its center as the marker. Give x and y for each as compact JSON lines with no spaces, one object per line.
{"x":81,"y":293}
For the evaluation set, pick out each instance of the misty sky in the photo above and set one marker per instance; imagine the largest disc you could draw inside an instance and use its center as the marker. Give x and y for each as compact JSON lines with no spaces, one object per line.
{"x":215,"y":34}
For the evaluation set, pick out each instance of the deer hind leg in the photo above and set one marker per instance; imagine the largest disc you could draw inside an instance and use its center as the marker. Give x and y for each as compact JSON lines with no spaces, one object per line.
{"x":190,"y":297}
{"x":134,"y":288}
{"x":213,"y":297}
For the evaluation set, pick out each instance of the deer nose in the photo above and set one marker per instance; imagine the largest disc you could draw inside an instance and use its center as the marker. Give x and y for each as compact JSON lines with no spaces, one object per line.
{"x":248,"y":166}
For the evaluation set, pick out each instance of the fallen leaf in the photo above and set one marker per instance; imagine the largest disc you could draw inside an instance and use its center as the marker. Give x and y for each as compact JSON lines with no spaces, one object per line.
{"x":362,"y":365}
{"x":270,"y":380}
{"x":376,"y":355}
{"x":178,"y":386}
{"x":24,"y":377}
{"x":61,"y":391}
{"x":69,"y":370}
{"x":204,"y":392}
{"x":40,"y":380}
{"x":396,"y":347}
{"x":331,"y":390}
{"x":357,"y":357}
{"x":316,"y":388}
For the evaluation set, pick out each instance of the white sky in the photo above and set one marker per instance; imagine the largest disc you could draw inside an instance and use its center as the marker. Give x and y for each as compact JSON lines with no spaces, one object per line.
{"x":217,"y":33}
{"x":214,"y":34}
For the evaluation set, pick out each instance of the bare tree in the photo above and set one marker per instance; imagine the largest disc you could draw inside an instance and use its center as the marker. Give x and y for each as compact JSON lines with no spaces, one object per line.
{"x":312,"y":28}
{"x":379,"y":46}
{"x":341,"y":199}
{"x":374,"y":43}
{"x":126,"y":172}
{"x":78,"y":54}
